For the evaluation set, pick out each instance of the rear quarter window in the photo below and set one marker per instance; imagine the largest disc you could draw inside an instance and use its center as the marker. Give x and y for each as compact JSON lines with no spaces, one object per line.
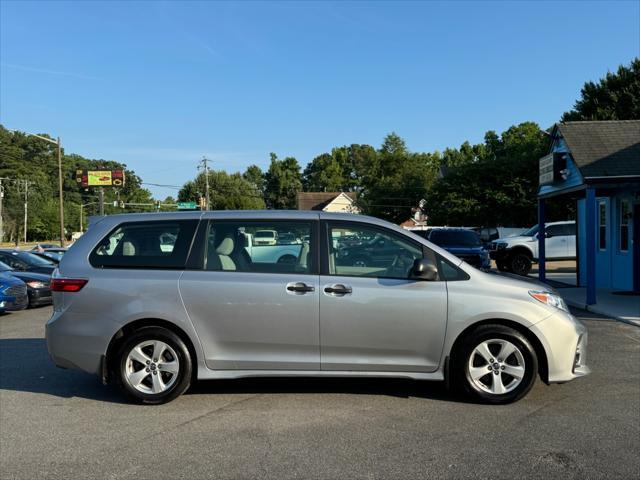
{"x":162,"y":244}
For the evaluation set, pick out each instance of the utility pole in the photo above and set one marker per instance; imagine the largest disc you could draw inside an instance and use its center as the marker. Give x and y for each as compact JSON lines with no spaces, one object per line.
{"x":60,"y":197}
{"x":205,"y":166}
{"x":26,"y":203}
{"x":101,"y":200}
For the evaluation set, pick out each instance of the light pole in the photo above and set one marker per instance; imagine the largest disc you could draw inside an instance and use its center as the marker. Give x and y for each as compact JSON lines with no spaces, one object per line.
{"x":82,"y":205}
{"x":56,"y":142}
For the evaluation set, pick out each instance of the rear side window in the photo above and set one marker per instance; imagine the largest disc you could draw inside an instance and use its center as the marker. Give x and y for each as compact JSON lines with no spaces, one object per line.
{"x":146,"y":245}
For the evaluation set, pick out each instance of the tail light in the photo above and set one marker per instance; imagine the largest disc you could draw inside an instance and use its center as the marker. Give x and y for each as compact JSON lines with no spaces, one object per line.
{"x":67,"y":284}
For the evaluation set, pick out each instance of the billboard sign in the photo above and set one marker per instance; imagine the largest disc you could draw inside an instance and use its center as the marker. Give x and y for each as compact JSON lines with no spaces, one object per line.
{"x":100,"y":178}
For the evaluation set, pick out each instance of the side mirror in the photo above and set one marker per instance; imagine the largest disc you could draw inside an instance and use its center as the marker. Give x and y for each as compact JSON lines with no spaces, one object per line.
{"x":424,"y":269}
{"x":548,"y":234}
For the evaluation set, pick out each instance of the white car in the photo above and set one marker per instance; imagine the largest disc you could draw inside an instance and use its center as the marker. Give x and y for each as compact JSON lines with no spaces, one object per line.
{"x":517,"y":254}
{"x":265,"y":237}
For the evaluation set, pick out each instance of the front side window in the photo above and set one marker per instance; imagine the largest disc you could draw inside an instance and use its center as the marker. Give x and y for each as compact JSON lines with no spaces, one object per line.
{"x":146,"y":245}
{"x":556,"y":230}
{"x":602,"y":225}
{"x":370,"y":252}
{"x":260,"y":247}
{"x":625,"y":215}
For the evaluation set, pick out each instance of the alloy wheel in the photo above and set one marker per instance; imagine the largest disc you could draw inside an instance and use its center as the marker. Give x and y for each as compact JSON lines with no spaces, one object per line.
{"x":152,"y":367}
{"x":496,"y":366}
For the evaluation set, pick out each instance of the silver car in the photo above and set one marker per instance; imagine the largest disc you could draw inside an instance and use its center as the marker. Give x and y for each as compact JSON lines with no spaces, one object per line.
{"x":154,"y":316}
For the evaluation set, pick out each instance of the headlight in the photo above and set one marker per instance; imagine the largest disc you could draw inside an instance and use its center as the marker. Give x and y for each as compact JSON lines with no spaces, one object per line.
{"x":36,"y":284}
{"x":501,"y":246}
{"x":550,"y":299}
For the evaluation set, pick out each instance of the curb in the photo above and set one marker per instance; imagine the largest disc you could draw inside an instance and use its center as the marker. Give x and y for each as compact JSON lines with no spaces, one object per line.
{"x":599,"y":311}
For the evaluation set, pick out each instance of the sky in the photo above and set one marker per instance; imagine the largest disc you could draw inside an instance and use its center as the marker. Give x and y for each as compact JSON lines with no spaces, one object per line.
{"x":157,"y":85}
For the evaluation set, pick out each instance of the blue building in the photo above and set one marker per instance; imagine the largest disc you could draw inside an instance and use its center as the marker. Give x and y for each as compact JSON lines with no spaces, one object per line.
{"x":597,"y":165}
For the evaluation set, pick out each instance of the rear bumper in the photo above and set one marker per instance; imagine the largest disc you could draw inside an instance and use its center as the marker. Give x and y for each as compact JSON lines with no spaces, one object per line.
{"x":565,"y":340}
{"x":76,"y":343}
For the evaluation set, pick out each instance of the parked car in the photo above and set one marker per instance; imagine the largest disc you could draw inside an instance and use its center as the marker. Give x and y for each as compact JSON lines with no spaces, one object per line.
{"x":54,"y":254}
{"x":517,"y":254}
{"x":13,"y":293}
{"x":153,"y":323}
{"x":265,"y":237}
{"x":27,"y":262}
{"x":37,"y":284}
{"x":43,"y":246}
{"x":464,"y":244}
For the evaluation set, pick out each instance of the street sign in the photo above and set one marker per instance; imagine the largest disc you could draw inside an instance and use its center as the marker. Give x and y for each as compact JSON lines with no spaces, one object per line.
{"x":187,"y":205}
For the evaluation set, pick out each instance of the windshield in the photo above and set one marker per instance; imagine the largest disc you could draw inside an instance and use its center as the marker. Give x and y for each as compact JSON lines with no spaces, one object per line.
{"x":531,"y":232}
{"x":455,"y":238}
{"x":5,"y":268}
{"x":265,"y":233}
{"x":32,"y":259}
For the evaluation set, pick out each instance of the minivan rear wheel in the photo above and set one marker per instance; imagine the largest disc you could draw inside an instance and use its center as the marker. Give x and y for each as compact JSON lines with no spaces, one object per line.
{"x":496,"y":364}
{"x":154,"y":366}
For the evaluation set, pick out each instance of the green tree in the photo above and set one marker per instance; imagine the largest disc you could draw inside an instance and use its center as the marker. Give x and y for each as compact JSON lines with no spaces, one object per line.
{"x":323,"y":174}
{"x":226,"y":191}
{"x":498,"y":188}
{"x":282,"y":183}
{"x":397,"y":180}
{"x":614,"y":97}
{"x":253,"y":174}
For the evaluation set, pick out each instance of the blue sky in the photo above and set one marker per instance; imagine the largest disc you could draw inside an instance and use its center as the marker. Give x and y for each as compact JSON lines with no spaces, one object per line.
{"x":158,"y":85}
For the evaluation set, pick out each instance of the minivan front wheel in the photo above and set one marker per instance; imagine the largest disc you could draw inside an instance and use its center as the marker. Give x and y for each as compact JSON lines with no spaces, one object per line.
{"x":154,"y":366}
{"x":497,"y":364}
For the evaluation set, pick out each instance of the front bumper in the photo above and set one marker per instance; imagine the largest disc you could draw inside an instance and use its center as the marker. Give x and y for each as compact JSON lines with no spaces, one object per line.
{"x":499,"y":255}
{"x":564,"y":339}
{"x":11,"y":304}
{"x":40,"y":296}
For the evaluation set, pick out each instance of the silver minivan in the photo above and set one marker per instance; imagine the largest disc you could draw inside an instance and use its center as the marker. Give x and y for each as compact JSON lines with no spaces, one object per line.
{"x":154,"y":302}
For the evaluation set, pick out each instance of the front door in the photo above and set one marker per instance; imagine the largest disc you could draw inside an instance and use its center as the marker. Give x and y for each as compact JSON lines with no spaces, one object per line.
{"x":372,"y":316}
{"x":556,"y":242}
{"x":255,"y":312}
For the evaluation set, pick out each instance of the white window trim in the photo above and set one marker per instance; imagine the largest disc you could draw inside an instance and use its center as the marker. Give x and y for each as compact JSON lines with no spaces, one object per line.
{"x":600,"y":224}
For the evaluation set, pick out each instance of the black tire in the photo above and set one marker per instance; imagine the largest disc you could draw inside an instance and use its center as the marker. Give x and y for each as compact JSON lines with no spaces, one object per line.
{"x":462,"y":362}
{"x":520,"y":264}
{"x":502,"y":266}
{"x":177,"y":386}
{"x":288,"y":259}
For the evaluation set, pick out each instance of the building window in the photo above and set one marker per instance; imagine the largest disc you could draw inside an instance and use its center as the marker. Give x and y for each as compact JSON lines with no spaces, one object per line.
{"x":625,"y":215}
{"x":602,"y":225}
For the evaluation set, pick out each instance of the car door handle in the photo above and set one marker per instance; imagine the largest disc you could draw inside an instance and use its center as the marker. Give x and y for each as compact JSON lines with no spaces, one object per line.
{"x":338,"y":289}
{"x":300,"y":287}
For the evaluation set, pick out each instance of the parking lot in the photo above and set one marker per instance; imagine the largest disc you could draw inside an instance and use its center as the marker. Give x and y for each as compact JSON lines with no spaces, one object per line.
{"x":65,"y":424}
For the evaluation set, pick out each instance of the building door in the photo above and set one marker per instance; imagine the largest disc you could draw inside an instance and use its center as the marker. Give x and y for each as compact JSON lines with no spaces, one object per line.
{"x":636,"y":247}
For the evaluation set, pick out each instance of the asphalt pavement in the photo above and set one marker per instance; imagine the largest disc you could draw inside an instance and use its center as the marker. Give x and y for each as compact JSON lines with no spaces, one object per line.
{"x":57,"y":423}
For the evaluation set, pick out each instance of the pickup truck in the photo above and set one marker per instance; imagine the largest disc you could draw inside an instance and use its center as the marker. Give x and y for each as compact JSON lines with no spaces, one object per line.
{"x":271,"y":253}
{"x":517,"y":254}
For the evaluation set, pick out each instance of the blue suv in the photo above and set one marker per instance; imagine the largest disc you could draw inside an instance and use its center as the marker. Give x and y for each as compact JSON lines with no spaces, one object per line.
{"x":463,"y":243}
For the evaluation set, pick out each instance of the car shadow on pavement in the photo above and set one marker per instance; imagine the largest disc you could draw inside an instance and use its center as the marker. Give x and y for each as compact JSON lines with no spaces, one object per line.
{"x":375,"y":386}
{"x":25,"y":366}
